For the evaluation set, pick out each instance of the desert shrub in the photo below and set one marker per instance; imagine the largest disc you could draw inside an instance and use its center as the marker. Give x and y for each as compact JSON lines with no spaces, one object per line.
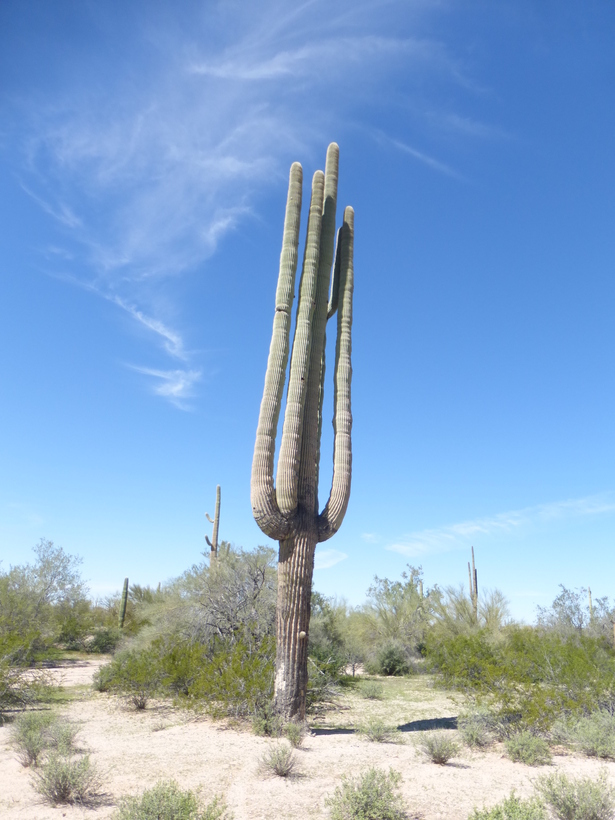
{"x":279,"y":760}
{"x":102,"y":679}
{"x":36,"y":732}
{"x":64,"y":780}
{"x":577,"y":799}
{"x":392,"y":660}
{"x":524,"y":747}
{"x":266,"y":722}
{"x":294,"y":733}
{"x":166,"y":801}
{"x":530,"y":678}
{"x":373,"y":795}
{"x":512,"y":808}
{"x":439,"y":747}
{"x":377,"y":731}
{"x":478,"y":727}
{"x":134,"y":675}
{"x":372,"y":690}
{"x":592,"y":734}
{"x":104,"y":641}
{"x":29,"y":736}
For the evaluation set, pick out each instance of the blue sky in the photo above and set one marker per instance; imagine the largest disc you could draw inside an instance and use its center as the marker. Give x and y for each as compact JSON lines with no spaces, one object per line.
{"x":144,"y":155}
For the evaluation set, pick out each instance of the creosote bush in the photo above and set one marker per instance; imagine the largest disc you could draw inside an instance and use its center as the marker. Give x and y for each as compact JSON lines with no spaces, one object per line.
{"x":294,"y":733}
{"x":34,"y":733}
{"x":512,"y":808}
{"x":377,"y":731}
{"x":577,"y":799}
{"x":372,"y":690}
{"x":439,"y":747}
{"x":592,"y":734}
{"x":525,"y":747}
{"x":279,"y":760}
{"x":64,"y":780}
{"x":477,"y":727}
{"x":166,"y":801}
{"x":373,"y":795}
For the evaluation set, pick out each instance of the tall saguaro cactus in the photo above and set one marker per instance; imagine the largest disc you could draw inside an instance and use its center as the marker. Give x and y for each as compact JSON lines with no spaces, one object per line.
{"x":288,"y":510}
{"x":473,"y":586}
{"x":123,"y":602}
{"x":213,"y":544}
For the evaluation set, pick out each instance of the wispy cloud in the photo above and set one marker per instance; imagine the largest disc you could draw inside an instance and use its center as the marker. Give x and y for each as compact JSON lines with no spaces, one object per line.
{"x":174,"y":385}
{"x":326,"y":559}
{"x":431,"y":162}
{"x":458,"y":536}
{"x":173,"y":342}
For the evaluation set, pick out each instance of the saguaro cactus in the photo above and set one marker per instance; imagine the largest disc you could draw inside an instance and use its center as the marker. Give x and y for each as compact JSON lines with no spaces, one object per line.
{"x":123,"y":602}
{"x":213,"y":544}
{"x":473,"y":586}
{"x":288,"y":511}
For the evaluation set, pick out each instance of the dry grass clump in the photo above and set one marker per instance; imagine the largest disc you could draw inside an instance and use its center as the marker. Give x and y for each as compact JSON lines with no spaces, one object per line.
{"x":376,"y":731}
{"x":439,"y":747}
{"x":279,"y":760}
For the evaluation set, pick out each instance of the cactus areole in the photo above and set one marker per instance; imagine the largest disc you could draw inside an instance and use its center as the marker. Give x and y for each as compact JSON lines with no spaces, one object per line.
{"x":288,"y":509}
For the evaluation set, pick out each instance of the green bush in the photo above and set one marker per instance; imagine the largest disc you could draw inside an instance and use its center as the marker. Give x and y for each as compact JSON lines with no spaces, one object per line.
{"x":392,"y":660}
{"x":439,"y":747}
{"x":580,"y":799}
{"x":477,"y":727}
{"x":377,"y":731}
{"x":29,"y":736}
{"x":372,"y":690}
{"x":373,"y":795}
{"x":166,"y":801}
{"x":63,"y":780}
{"x":266,"y":722}
{"x":104,"y":641}
{"x":512,"y":808}
{"x":102,"y":679}
{"x":279,"y":760}
{"x":294,"y":733}
{"x":525,"y":747}
{"x":592,"y":734}
{"x":134,"y":675}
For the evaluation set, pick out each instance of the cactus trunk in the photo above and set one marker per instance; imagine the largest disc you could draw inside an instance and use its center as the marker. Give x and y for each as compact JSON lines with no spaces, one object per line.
{"x":213,"y":544}
{"x":288,"y":511}
{"x":123,"y":602}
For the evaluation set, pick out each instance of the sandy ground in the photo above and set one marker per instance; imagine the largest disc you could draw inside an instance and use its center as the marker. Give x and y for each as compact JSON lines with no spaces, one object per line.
{"x":134,"y":750}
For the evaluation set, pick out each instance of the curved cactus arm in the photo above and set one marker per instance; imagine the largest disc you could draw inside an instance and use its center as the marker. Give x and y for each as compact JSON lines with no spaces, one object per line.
{"x":308,"y":475}
{"x":335,"y":282}
{"x":290,"y":447}
{"x":209,"y":518}
{"x":209,"y":544}
{"x":333,"y":514}
{"x":263,"y":498}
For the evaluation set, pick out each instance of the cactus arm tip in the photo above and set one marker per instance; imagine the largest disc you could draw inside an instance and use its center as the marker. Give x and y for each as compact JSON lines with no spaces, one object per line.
{"x":207,"y":516}
{"x":208,"y":541}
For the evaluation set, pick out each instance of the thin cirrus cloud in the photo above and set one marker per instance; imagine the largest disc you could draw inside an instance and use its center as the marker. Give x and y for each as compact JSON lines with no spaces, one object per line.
{"x":174,"y":385}
{"x":457,"y":536}
{"x":145,"y":178}
{"x":326,"y":559}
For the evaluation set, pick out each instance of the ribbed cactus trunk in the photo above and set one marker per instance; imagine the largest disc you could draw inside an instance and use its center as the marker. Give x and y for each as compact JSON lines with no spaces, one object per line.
{"x":288,"y":510}
{"x":473,"y":587}
{"x":213,"y":544}
{"x":123,"y":603}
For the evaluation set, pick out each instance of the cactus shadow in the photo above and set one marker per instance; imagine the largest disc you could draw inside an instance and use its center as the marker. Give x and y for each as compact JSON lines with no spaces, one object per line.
{"x":326,"y":732}
{"x":429,"y":724}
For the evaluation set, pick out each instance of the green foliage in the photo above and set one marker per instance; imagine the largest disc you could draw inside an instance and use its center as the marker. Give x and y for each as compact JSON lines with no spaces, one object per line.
{"x":266,"y":722}
{"x":524,"y":747}
{"x":134,"y":675}
{"x":373,"y":795}
{"x":569,"y":615}
{"x":530,"y":678}
{"x":372,"y":690}
{"x":294,"y":733}
{"x":392,"y":660}
{"x":512,"y":808}
{"x":104,"y":640}
{"x":377,"y":731}
{"x":439,"y":747}
{"x":29,"y":737}
{"x":64,"y":780}
{"x":577,"y":799}
{"x":279,"y":760}
{"x":166,"y":801}
{"x":592,"y":734}
{"x":478,"y":727}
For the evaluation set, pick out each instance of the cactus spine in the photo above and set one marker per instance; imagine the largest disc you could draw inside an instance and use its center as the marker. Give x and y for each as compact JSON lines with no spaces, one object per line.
{"x":123,"y":603}
{"x":213,"y":544}
{"x":473,"y":587}
{"x":288,"y":511}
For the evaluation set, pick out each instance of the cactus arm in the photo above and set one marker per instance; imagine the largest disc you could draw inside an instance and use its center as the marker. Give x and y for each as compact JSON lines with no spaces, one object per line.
{"x":214,"y":535}
{"x":263,"y":498}
{"x":208,"y":517}
{"x":333,"y":514}
{"x":335,"y":282}
{"x":290,"y":447}
{"x":209,"y":544}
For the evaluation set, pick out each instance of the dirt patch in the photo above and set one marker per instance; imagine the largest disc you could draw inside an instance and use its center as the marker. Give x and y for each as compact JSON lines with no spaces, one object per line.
{"x":133,"y":750}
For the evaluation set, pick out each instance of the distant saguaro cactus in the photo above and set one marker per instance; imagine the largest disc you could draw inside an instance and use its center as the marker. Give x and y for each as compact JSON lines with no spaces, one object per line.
{"x":473,"y":586}
{"x":289,"y":511}
{"x":213,"y":544}
{"x":123,"y":603}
